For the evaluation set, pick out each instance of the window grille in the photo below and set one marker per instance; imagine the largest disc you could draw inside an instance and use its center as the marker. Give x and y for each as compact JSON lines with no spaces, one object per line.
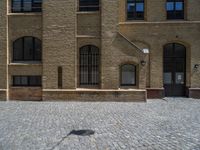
{"x":89,"y":65}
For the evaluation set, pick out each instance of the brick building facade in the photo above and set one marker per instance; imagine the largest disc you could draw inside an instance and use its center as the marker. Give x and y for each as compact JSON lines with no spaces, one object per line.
{"x":121,"y":50}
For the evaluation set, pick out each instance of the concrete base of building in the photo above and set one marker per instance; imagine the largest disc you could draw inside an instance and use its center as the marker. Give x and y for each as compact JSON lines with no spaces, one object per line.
{"x":2,"y":95}
{"x":94,"y":95}
{"x":25,"y":93}
{"x":154,"y":93}
{"x":194,"y":93}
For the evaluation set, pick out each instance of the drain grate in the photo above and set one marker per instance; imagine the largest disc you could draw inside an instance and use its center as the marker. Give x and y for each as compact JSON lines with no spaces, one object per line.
{"x":82,"y":132}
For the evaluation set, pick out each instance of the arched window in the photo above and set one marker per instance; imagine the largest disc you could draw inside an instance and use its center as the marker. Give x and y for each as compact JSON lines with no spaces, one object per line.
{"x":88,"y":5}
{"x":89,"y":65}
{"x":128,"y":75}
{"x":27,"y":49}
{"x":175,"y":9}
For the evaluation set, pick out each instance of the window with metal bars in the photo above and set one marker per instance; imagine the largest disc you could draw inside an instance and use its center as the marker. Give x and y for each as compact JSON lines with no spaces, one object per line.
{"x":27,"y":81}
{"x":135,"y":9}
{"x":88,"y":5}
{"x":175,"y":9}
{"x":27,"y":49}
{"x":26,"y":6}
{"x":89,"y":65}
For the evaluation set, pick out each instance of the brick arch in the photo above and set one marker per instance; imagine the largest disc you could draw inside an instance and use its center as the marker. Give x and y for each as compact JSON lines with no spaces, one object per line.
{"x":18,"y":37}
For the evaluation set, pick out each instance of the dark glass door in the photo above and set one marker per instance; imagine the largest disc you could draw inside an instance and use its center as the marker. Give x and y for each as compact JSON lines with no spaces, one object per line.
{"x":174,"y":70}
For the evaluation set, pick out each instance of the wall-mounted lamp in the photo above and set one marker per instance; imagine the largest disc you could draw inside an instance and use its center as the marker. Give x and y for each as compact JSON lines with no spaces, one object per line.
{"x":143,"y":63}
{"x":196,"y":66}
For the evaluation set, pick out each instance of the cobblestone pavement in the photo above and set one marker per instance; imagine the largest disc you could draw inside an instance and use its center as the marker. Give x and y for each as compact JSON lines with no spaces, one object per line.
{"x":169,"y":124}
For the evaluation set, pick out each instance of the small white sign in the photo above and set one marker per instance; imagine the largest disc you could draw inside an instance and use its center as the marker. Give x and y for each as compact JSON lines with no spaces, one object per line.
{"x":146,"y":50}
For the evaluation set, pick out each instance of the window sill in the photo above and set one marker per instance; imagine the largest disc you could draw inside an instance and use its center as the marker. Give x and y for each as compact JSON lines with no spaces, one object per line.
{"x":23,"y":87}
{"x":25,"y":14}
{"x":87,"y":12}
{"x":39,"y":63}
{"x":87,"y":36}
{"x":159,"y":22}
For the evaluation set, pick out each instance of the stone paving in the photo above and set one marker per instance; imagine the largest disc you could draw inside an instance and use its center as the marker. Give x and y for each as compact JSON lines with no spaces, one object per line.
{"x":170,"y":124}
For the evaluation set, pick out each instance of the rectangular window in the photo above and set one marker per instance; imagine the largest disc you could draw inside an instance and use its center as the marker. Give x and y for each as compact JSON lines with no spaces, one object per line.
{"x":175,"y":9}
{"x":135,"y":9}
{"x":128,"y":75}
{"x":27,"y":81}
{"x":26,"y":6}
{"x":88,"y":5}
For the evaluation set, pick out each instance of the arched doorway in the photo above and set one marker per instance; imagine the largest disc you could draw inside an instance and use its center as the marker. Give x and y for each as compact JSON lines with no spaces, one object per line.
{"x":174,"y":70}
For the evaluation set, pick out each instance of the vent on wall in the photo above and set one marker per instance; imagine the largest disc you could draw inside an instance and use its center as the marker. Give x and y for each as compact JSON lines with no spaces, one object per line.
{"x":60,"y":77}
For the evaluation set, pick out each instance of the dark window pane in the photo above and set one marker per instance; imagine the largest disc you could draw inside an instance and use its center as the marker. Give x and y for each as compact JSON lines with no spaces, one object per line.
{"x":27,"y":81}
{"x":135,"y":9}
{"x":128,"y":75}
{"x":24,"y":81}
{"x":28,"y":48}
{"x":179,"y":50}
{"x":27,"y":5}
{"x":175,"y":9}
{"x":18,"y":50}
{"x":168,"y":50}
{"x":34,"y":80}
{"x":37,"y":5}
{"x":88,"y":5}
{"x":16,"y":5}
{"x":16,"y":80}
{"x":37,"y":50}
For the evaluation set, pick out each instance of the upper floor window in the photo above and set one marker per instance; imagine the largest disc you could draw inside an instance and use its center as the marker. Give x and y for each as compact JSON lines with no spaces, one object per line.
{"x":27,"y":49}
{"x":135,"y":9}
{"x":26,"y":6}
{"x":88,"y":5}
{"x":128,"y":75}
{"x":175,"y":9}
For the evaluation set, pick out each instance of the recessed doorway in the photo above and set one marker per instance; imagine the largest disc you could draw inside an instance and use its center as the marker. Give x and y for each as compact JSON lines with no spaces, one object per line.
{"x":174,"y":70}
